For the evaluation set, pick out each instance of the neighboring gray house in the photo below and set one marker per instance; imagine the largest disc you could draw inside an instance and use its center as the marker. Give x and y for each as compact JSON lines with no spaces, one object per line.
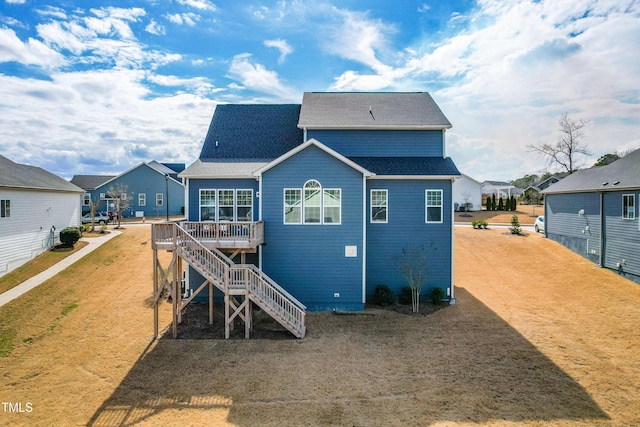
{"x":532,"y":194}
{"x":34,"y":206}
{"x":467,"y":194}
{"x":594,"y":212}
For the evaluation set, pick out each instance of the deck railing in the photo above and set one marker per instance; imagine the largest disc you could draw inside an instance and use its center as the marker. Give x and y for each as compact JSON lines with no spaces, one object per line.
{"x":227,"y":234}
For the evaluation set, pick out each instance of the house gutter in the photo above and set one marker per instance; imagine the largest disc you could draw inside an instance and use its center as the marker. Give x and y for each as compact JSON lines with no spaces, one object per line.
{"x":452,"y":297}
{"x":601,"y":263}
{"x":365,"y":209}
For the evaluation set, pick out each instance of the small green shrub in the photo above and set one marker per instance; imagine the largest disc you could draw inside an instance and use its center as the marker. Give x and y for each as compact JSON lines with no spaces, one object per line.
{"x":69,"y":236}
{"x":483,"y":224}
{"x":103,"y":228}
{"x":515,"y":225}
{"x":405,"y":296}
{"x":383,"y":295}
{"x":475,"y":223}
{"x":86,"y":227}
{"x":437,"y":295}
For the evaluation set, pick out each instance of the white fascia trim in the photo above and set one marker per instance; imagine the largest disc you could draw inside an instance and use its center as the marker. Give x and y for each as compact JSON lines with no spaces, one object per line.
{"x":424,"y":177}
{"x":379,"y":127}
{"x":219,"y":176}
{"x":186,"y":199}
{"x":321,"y":146}
{"x":452,"y":297}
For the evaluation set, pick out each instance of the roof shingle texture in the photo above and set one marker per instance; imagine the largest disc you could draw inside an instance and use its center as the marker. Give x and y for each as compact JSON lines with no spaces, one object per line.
{"x":363,"y":109}
{"x":240,"y":131}
{"x":16,"y":175}
{"x":624,"y":172}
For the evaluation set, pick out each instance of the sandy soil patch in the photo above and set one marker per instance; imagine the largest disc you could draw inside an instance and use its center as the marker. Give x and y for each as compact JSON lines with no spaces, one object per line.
{"x":538,"y":336}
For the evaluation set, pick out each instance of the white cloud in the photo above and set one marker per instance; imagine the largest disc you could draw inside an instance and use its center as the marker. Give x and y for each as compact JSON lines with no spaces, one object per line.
{"x":424,"y":7}
{"x":189,"y":19}
{"x":282,"y":45}
{"x":257,"y":77}
{"x":77,"y":112}
{"x":31,"y":52}
{"x":199,"y":4}
{"x":155,"y":28}
{"x":15,"y":1}
{"x":358,"y":38}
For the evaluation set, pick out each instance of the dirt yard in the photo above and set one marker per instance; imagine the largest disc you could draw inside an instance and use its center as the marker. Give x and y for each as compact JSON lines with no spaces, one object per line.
{"x":537,"y":336}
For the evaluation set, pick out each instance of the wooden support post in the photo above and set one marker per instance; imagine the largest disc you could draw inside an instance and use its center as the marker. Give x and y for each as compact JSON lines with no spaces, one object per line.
{"x":247,"y":316}
{"x":210,"y":303}
{"x":177,"y":280}
{"x":226,"y":315}
{"x":155,"y":292}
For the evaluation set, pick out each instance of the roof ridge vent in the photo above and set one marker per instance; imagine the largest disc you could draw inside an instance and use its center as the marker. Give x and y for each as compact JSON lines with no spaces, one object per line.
{"x":616,"y":183}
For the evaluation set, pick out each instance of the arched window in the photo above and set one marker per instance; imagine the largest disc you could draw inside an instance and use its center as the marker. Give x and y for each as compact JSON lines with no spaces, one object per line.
{"x":312,"y":204}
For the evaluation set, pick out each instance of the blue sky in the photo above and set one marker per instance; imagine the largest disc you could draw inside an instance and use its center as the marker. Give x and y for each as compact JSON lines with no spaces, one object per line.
{"x":97,"y":87}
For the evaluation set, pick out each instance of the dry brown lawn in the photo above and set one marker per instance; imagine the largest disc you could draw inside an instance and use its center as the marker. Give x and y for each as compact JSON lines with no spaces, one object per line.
{"x":526,"y":215}
{"x":538,"y":336}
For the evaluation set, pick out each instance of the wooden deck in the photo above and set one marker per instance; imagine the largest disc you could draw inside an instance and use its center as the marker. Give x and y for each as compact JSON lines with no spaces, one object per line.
{"x":218,"y":235}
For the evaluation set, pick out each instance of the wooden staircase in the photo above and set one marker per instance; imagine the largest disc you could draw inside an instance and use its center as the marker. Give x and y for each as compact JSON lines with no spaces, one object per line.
{"x":245,"y":281}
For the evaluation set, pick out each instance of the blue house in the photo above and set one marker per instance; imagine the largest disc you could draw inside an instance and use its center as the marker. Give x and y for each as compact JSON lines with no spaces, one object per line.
{"x":594,"y":212}
{"x":330,"y":192}
{"x":153,"y":189}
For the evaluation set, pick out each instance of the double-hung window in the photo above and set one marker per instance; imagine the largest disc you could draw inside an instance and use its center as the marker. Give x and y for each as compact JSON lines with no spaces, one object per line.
{"x":628,"y":206}
{"x":244,"y":205}
{"x":207,"y":205}
{"x":312,"y":204}
{"x":379,"y":202}
{"x":142,"y":199}
{"x":5,"y":208}
{"x":433,"y":206}
{"x":159,"y":199}
{"x":292,"y":206}
{"x":86,"y":199}
{"x":226,"y":201}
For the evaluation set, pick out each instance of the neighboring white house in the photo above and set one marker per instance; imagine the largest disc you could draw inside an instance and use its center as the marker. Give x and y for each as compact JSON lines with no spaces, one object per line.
{"x":34,"y":206}
{"x":500,"y":189}
{"x":467,"y":194}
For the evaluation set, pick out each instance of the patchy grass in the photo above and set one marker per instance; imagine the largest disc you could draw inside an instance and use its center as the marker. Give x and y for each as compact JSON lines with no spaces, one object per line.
{"x":36,"y":266}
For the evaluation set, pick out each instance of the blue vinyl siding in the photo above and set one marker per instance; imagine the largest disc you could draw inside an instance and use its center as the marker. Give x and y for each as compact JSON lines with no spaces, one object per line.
{"x":147,"y":180}
{"x":406,"y":228}
{"x":622,"y":240}
{"x":580,"y":233}
{"x":382,"y":143}
{"x":309,"y":260}
{"x":219,"y":184}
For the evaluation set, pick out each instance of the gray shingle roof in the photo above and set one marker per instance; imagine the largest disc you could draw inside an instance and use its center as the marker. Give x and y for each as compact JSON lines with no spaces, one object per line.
{"x":16,"y":175}
{"x":415,"y":166}
{"x":90,"y":182}
{"x":252,"y":132}
{"x":349,"y":110}
{"x":621,"y":174}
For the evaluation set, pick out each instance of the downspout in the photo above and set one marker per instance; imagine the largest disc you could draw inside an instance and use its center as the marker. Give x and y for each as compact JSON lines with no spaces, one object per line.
{"x":304,"y":134}
{"x":601,"y":229}
{"x":364,"y":238}
{"x":187,"y":215}
{"x":259,"y":178}
{"x":452,"y":297}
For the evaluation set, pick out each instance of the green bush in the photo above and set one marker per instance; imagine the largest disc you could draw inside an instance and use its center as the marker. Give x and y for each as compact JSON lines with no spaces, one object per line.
{"x":69,"y":236}
{"x":437,"y":295}
{"x":383,"y":295}
{"x":405,"y":296}
{"x":515,"y":225}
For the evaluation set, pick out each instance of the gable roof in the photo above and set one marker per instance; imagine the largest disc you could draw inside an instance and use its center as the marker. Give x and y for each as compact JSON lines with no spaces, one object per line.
{"x":371,"y":110}
{"x":90,"y":182}
{"x":256,"y":132}
{"x":320,"y":145}
{"x":16,"y":175}
{"x":619,"y":175}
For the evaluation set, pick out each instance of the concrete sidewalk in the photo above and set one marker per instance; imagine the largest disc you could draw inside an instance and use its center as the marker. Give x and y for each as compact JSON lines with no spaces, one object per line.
{"x":27,"y":285}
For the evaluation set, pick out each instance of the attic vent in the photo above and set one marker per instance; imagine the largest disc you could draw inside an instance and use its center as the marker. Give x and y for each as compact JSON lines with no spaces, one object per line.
{"x":605,"y":183}
{"x":616,"y":183}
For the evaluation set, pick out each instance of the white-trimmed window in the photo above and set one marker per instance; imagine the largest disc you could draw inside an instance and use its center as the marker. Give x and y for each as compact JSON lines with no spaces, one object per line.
{"x":628,"y":206}
{"x":226,"y":202}
{"x":433,"y":206}
{"x":207,"y":205}
{"x":292,"y":206}
{"x":5,"y":208}
{"x":103,"y":196}
{"x":332,"y":205}
{"x":244,"y":205}
{"x":142,"y":199}
{"x":379,"y":203}
{"x":86,"y":199}
{"x":312,"y":204}
{"x":226,"y":205}
{"x":159,"y":199}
